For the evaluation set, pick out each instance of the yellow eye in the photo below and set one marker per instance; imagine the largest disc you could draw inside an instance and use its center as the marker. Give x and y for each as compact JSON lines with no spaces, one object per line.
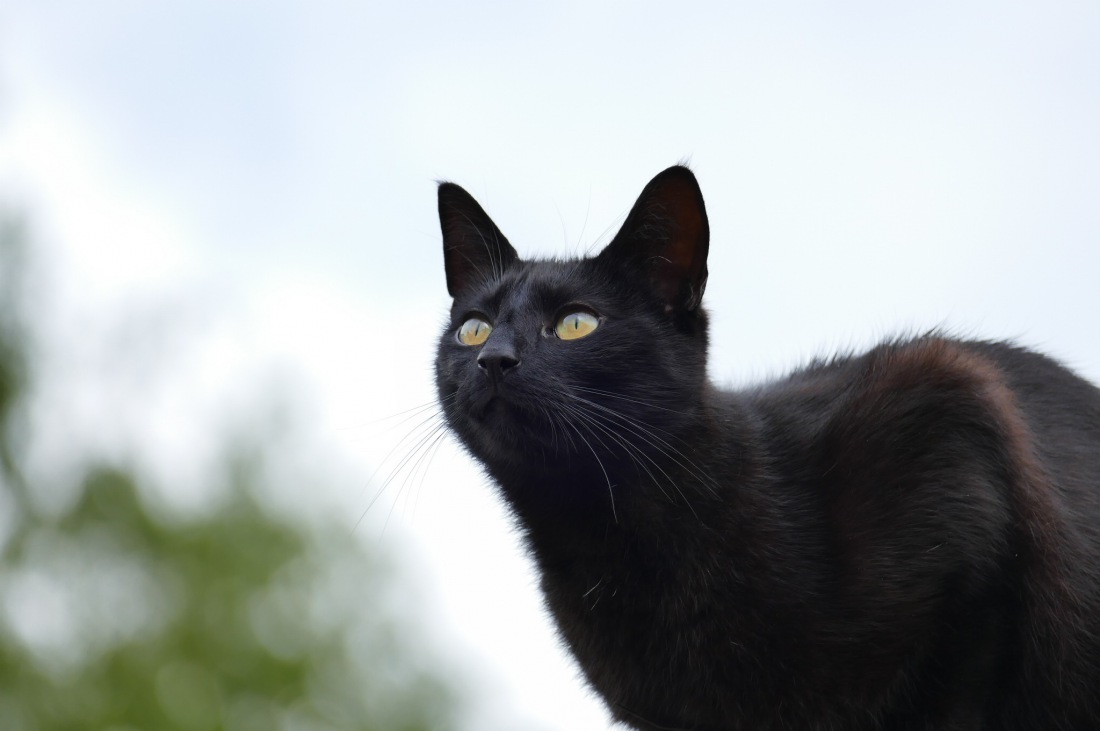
{"x":576,"y":325}
{"x":474,"y":331}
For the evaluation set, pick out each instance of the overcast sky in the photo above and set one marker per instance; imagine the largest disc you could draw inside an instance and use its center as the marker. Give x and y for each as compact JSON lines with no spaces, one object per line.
{"x":249,"y":188}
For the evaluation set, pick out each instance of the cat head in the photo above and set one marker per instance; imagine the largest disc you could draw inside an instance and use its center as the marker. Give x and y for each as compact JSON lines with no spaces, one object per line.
{"x":571,"y":363}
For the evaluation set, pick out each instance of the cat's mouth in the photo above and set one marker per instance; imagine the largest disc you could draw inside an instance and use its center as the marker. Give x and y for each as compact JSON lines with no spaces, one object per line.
{"x":488,"y":403}
{"x":486,"y":406}
{"x":505,"y":417}
{"x":496,"y":410}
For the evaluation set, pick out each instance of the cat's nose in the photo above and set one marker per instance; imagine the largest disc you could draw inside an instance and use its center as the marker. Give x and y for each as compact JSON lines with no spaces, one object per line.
{"x":496,"y":359}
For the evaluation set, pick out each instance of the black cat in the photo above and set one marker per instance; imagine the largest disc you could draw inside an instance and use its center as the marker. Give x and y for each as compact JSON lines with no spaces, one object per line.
{"x":906,"y":539}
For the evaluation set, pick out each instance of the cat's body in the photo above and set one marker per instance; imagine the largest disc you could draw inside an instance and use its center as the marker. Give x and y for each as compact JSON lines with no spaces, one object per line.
{"x":906,"y":539}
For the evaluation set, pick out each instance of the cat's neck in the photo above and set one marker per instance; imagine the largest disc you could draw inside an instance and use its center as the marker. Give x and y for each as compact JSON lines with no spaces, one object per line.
{"x":663,"y":486}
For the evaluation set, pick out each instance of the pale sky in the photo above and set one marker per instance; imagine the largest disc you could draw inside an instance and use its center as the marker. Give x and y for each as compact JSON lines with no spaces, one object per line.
{"x":261,"y":177}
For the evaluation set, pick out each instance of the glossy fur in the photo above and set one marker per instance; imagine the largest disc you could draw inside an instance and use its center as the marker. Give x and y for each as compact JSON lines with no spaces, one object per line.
{"x":905,"y":539}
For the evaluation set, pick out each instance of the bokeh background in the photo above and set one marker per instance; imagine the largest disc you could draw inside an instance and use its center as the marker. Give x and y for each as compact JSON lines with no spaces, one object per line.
{"x":225,"y":501}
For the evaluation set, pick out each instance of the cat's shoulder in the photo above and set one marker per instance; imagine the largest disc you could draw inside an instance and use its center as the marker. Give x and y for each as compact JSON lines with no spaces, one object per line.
{"x":927,"y":363}
{"x":911,"y":383}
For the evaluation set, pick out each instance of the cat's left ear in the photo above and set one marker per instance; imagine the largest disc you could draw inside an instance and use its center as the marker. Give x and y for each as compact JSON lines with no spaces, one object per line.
{"x":667,"y":234}
{"x":474,"y":249}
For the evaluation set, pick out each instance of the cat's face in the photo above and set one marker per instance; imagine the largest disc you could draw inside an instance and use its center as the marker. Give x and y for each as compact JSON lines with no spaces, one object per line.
{"x":558,"y":364}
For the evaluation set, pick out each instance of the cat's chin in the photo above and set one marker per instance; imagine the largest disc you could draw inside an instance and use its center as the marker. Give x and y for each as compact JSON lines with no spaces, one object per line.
{"x":487,"y":409}
{"x":501,"y":430}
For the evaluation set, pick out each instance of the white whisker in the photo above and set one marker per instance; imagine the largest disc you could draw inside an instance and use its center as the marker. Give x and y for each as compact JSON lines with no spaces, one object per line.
{"x":607,"y":478}
{"x":631,"y":450}
{"x":649,"y":436}
{"x":409,"y":457}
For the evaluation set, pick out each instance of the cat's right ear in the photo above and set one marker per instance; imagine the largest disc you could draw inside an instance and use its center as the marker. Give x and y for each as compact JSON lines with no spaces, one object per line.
{"x":666,"y":234}
{"x":474,"y":249}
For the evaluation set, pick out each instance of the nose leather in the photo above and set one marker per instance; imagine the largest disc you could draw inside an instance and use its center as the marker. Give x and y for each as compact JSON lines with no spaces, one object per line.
{"x":497,"y":358}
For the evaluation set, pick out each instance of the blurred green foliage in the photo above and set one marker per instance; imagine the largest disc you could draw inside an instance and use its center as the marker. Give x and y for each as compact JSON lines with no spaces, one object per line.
{"x":116,"y":617}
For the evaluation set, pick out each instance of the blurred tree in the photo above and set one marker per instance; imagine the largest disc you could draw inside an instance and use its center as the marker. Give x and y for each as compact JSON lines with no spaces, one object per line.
{"x":113,"y":618}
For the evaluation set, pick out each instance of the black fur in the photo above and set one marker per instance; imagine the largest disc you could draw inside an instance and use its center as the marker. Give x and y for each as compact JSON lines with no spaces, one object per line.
{"x":905,"y":539}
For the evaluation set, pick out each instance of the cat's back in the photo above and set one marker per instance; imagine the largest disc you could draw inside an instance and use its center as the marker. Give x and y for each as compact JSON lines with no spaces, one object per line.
{"x":1062,"y":410}
{"x":1055,"y":404}
{"x":1061,"y":413}
{"x":938,"y":405}
{"x":960,"y":482}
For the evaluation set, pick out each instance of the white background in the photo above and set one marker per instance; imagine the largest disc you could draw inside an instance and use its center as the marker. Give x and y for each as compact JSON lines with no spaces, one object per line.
{"x":234,"y":198}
